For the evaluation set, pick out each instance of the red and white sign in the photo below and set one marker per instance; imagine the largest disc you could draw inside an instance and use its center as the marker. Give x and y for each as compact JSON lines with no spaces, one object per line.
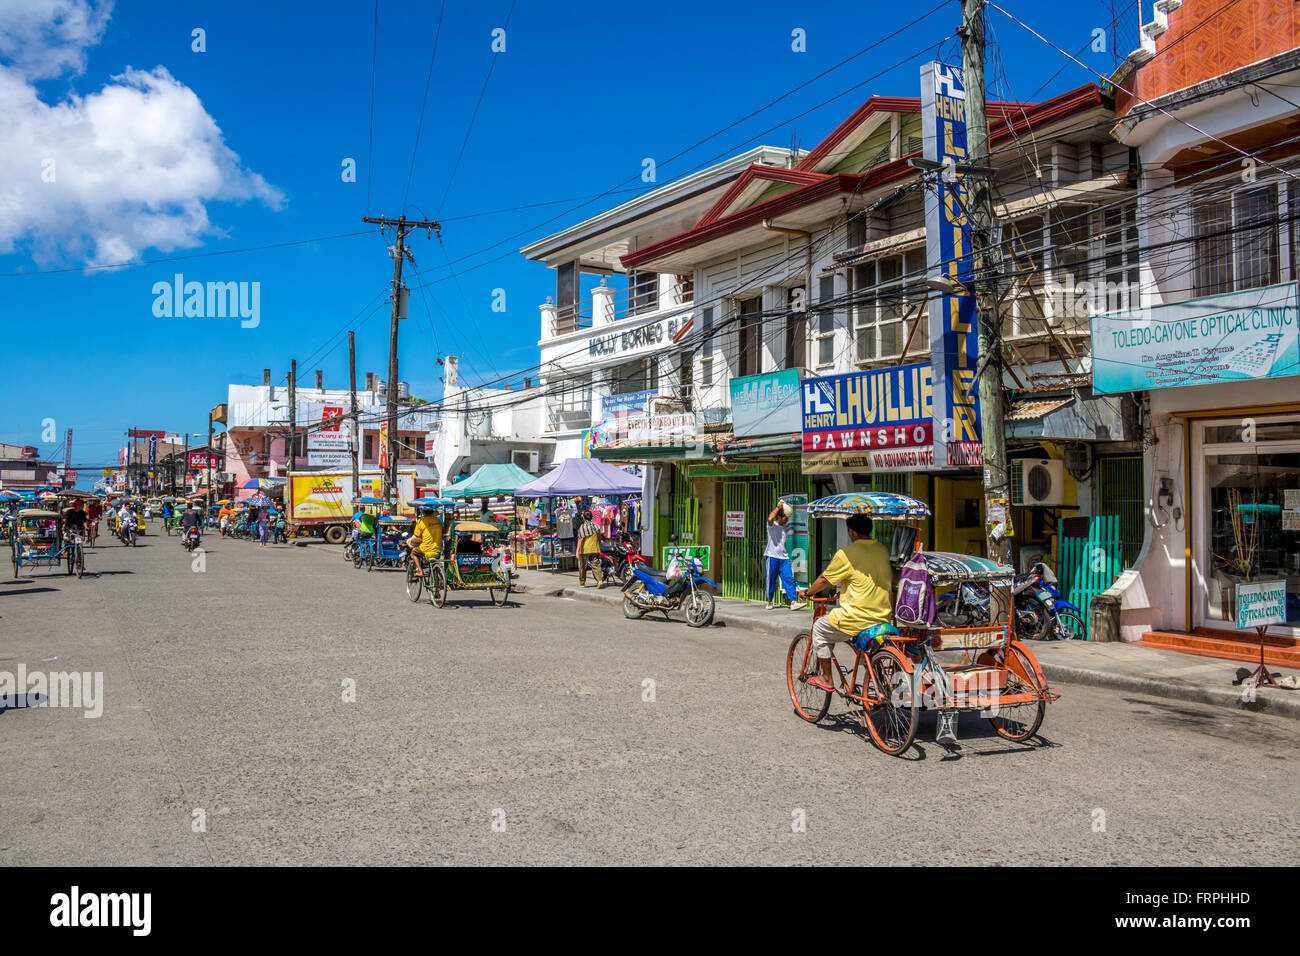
{"x":332,"y":436}
{"x":383,"y":445}
{"x":200,"y":459}
{"x":911,"y":435}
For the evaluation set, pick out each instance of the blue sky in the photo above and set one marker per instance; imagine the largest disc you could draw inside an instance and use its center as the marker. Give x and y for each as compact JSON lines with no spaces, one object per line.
{"x":242,"y":145}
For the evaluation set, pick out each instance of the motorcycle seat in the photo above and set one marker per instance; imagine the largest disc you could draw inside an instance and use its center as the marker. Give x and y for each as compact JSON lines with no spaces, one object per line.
{"x":661,"y":576}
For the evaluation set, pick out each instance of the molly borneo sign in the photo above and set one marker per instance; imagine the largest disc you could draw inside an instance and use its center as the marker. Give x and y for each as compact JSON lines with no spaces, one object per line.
{"x":644,"y":337}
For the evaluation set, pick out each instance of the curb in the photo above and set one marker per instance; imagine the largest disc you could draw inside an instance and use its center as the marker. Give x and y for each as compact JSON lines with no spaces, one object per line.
{"x":1267,"y":702}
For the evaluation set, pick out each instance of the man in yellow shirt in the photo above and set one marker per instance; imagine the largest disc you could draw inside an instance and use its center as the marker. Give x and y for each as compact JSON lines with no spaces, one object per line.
{"x":589,"y":536}
{"x":864,"y":576}
{"x":426,"y":539}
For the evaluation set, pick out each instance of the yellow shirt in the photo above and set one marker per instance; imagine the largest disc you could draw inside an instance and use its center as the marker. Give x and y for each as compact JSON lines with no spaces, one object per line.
{"x":428,"y":536}
{"x":589,"y":544}
{"x":862,"y":572}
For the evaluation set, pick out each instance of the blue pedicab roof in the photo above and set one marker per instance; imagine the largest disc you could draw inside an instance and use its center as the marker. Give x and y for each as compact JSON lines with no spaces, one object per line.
{"x":876,"y":504}
{"x":946,"y":566}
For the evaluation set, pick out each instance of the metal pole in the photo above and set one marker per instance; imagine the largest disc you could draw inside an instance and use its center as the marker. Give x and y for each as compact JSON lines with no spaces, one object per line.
{"x":981,"y":215}
{"x":293,"y":421}
{"x":390,"y":473}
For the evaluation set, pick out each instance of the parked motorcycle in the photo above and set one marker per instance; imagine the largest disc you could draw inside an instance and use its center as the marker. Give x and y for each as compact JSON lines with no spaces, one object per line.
{"x":968,"y":606}
{"x":651,"y":590}
{"x":1064,"y":620}
{"x":617,"y":558}
{"x":280,"y":531}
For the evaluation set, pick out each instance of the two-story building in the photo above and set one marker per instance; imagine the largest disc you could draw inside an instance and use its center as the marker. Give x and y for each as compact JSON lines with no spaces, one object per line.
{"x":1211,"y":105}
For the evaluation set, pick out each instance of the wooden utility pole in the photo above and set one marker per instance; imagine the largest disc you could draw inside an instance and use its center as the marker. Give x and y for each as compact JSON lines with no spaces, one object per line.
{"x":399,"y":252}
{"x":980,"y":209}
{"x":293,"y":417}
{"x":356,"y":424}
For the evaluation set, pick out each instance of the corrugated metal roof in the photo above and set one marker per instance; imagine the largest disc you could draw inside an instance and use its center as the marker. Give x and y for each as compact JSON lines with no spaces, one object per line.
{"x":1028,"y":411}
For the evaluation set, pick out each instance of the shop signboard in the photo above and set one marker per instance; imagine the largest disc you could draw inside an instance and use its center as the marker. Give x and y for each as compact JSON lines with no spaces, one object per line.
{"x":709,"y":470}
{"x":699,"y":552}
{"x":1261,"y":603}
{"x":632,"y":403}
{"x":1222,"y":338}
{"x":332,"y":434}
{"x":199,"y":459}
{"x":735,"y":524}
{"x":765,"y":404}
{"x":328,"y":458}
{"x":954,"y":345}
{"x":877,"y":421}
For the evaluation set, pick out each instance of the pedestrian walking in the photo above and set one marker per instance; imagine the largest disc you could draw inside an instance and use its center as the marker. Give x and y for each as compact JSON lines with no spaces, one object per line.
{"x":589,"y":551}
{"x":779,"y":568}
{"x":263,"y":529}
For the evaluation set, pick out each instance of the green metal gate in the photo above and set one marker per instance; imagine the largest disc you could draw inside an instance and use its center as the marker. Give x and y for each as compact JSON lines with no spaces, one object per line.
{"x":1088,"y":566}
{"x":684,"y":519}
{"x":1120,"y":492}
{"x":743,"y":572}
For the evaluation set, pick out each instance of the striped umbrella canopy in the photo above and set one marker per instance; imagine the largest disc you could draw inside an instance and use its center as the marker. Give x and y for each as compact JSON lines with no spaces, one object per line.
{"x":258,"y":501}
{"x":263,"y":484}
{"x":876,"y":504}
{"x":9,"y":495}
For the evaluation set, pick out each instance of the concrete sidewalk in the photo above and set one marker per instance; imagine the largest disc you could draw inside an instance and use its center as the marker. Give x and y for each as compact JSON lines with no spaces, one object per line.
{"x":1122,"y":667}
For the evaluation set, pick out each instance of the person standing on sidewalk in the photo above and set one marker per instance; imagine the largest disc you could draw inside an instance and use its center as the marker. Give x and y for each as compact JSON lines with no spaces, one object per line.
{"x":778,"y":558}
{"x":589,"y":551}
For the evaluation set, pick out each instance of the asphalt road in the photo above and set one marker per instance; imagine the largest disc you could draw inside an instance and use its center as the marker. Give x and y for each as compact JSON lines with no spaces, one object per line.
{"x":524,"y":734}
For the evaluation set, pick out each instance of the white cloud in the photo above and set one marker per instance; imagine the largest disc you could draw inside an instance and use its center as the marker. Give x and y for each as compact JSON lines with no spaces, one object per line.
{"x":133,"y":166}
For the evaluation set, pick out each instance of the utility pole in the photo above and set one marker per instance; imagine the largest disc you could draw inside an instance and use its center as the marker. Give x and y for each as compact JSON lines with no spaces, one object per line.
{"x":293,"y":418}
{"x":208,"y":499}
{"x":980,"y":210}
{"x":355,"y":441}
{"x":399,"y":252}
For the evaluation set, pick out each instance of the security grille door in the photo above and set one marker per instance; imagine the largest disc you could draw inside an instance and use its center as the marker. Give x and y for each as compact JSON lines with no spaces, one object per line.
{"x":762,"y":498}
{"x":734,"y":565}
{"x":1120,"y":492}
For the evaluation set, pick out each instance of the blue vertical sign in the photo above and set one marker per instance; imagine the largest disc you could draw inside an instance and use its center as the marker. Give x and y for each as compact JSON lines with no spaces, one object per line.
{"x":153,"y":449}
{"x":954,"y":342}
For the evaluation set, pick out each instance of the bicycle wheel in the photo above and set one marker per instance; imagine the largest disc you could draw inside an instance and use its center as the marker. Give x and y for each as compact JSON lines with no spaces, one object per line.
{"x":1020,"y":721}
{"x":811,"y":703}
{"x":370,"y":560}
{"x":1071,"y":626}
{"x":892,"y":701}
{"x":81,"y":563}
{"x":414,"y":583}
{"x":72,"y":564}
{"x":437,"y":585}
{"x":503,"y":592}
{"x":357,"y":558}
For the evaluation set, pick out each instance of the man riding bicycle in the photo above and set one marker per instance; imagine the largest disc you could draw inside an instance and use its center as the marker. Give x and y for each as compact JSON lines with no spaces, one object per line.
{"x":426,"y":539}
{"x":864,"y":576}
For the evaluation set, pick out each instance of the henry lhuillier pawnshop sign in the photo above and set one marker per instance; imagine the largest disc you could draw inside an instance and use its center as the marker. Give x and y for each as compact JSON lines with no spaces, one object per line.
{"x":1221,"y":338}
{"x":869,"y":421}
{"x":954,"y":345}
{"x":643,"y":337}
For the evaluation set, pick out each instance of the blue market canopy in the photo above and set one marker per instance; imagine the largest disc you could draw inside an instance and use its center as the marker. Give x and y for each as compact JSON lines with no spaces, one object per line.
{"x":367,"y":501}
{"x":442,"y":504}
{"x":875,"y":504}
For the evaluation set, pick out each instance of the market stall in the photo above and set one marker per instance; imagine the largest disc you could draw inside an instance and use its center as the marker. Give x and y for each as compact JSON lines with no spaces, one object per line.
{"x":548,"y":509}
{"x":490,"y":481}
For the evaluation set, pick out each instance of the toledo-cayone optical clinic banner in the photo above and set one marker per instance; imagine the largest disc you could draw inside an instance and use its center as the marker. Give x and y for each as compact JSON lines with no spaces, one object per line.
{"x":1220,"y":338}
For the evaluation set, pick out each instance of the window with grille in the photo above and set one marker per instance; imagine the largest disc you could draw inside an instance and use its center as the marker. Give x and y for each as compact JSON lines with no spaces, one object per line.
{"x":369,"y":453}
{"x":1237,"y":241}
{"x":569,"y":403}
{"x":888,"y":298}
{"x":1023,"y":241}
{"x":686,"y":288}
{"x":826,"y":321}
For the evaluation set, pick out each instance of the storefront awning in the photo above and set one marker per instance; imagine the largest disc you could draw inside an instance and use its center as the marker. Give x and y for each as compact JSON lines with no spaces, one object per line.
{"x":1072,"y":418}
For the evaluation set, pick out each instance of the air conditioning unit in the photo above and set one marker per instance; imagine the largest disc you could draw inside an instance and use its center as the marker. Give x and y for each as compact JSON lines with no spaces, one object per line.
{"x":1037,"y":482}
{"x":225,"y":477}
{"x":527,"y":460}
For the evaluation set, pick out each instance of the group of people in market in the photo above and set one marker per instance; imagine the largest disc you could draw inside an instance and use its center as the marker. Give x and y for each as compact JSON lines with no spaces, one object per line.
{"x":262,"y":520}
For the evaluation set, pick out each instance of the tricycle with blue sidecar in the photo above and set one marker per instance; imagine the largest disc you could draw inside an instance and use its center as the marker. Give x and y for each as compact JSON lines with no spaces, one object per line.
{"x":665,"y":591}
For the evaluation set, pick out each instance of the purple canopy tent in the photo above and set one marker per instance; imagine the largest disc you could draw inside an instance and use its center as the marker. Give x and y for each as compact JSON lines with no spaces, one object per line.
{"x":578,"y":477}
{"x":581,"y":476}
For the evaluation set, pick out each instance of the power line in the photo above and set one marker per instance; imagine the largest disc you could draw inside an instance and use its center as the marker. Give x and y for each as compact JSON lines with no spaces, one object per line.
{"x":470,"y":129}
{"x":420,"y":125}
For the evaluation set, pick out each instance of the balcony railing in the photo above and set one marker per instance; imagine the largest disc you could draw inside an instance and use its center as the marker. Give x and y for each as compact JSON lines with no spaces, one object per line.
{"x":571,"y":418}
